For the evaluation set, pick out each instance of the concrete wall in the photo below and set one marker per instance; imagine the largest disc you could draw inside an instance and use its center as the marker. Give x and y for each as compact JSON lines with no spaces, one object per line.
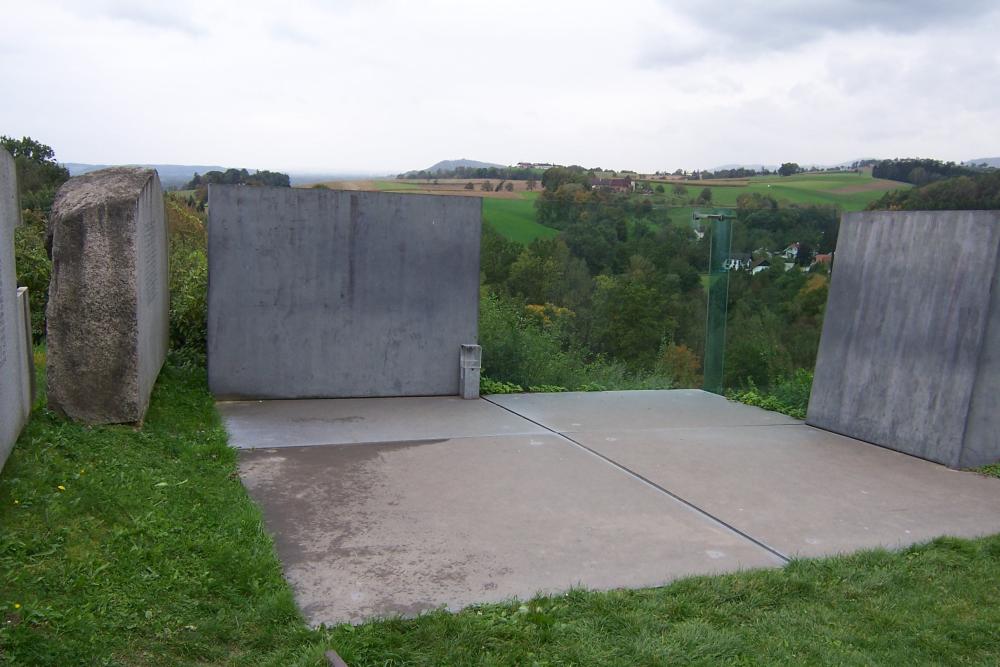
{"x":15,"y":383}
{"x":320,"y":293}
{"x":107,"y":318}
{"x":908,"y":355}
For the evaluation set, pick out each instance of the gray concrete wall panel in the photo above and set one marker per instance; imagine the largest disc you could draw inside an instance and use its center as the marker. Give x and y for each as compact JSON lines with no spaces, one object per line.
{"x":905,"y":331}
{"x":13,"y":414}
{"x":325,"y":294}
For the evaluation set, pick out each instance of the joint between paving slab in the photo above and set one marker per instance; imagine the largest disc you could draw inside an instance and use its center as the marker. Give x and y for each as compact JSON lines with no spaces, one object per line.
{"x":649,"y":483}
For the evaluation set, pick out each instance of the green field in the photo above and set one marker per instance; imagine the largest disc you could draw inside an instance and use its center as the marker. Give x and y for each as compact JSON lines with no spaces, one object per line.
{"x":395,"y":186}
{"x":515,"y":218}
{"x":849,"y":191}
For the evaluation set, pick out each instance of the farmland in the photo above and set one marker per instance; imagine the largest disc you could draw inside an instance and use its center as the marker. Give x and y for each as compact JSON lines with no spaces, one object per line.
{"x":850,"y":191}
{"x":512,"y":213}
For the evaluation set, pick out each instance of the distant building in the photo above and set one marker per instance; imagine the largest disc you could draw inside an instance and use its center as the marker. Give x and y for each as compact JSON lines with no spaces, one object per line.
{"x":536,"y":165}
{"x":738,"y":262}
{"x":760,"y":265}
{"x":616,"y":184}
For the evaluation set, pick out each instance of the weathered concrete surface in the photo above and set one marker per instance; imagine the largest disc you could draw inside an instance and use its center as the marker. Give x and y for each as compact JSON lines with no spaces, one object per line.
{"x":259,"y":424}
{"x":12,"y":348}
{"x":374,"y":530}
{"x":674,"y":483}
{"x":804,"y":491}
{"x":108,"y":296}
{"x":627,"y":410}
{"x":322,"y":294}
{"x":908,"y":355}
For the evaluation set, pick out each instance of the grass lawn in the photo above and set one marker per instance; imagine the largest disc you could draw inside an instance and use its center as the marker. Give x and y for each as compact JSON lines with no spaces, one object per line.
{"x":515,"y":218}
{"x":124,"y":546}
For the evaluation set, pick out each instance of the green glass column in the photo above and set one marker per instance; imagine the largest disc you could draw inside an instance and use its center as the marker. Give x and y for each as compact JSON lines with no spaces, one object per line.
{"x":720,"y":235}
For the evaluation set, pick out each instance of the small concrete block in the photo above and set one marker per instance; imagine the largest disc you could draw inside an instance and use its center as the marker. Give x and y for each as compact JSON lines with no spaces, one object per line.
{"x":910,"y":352}
{"x":29,"y":349}
{"x":13,"y":414}
{"x":108,"y":297}
{"x":471,"y":363}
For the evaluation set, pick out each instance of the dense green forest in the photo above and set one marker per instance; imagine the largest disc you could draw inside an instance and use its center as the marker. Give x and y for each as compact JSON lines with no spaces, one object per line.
{"x":621,"y":287}
{"x":979,"y":191}
{"x":919,"y":171}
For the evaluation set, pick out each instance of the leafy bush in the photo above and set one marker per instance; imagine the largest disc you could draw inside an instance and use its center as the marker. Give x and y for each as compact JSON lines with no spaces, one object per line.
{"x":517,"y":349}
{"x":788,"y":396}
{"x":488,"y":386}
{"x":33,"y":268}
{"x":188,"y":282}
{"x":188,"y":300}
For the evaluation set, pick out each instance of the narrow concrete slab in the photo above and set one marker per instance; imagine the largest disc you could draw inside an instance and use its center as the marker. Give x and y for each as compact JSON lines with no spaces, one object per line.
{"x":374,"y":530}
{"x":805,"y":491}
{"x":628,"y":410}
{"x":354,"y":420}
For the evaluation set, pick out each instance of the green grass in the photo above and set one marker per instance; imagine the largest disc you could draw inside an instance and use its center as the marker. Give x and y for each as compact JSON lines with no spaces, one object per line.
{"x":126,"y":546}
{"x":515,"y":218}
{"x":396,"y":186}
{"x":152,"y":553}
{"x":932,"y":604}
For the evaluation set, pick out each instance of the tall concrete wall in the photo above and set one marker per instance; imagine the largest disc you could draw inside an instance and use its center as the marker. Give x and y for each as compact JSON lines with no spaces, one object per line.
{"x":320,"y":293}
{"x":909,"y":352}
{"x":108,"y":297}
{"x":15,"y":379}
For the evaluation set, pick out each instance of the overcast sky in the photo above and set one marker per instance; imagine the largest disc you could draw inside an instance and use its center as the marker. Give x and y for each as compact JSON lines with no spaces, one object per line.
{"x":371,"y":85}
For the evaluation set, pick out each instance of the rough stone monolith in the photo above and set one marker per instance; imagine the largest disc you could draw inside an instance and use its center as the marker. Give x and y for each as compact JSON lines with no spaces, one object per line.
{"x":108,"y":296}
{"x":15,"y":399}
{"x":909,"y":357}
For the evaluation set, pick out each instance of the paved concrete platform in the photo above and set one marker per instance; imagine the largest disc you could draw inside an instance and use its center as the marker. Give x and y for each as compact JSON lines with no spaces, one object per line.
{"x":629,"y":410}
{"x":355,"y":420}
{"x":804,"y":491}
{"x":454,"y":502}
{"x":365,"y":530}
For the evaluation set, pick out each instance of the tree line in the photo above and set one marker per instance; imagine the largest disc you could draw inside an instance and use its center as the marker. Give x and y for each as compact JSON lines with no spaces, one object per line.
{"x":239,"y":177}
{"x":919,"y":171}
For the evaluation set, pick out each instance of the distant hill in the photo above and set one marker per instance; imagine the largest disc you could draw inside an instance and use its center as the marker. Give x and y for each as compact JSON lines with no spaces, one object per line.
{"x":451,"y":165}
{"x":171,"y":175}
{"x":990,"y":161}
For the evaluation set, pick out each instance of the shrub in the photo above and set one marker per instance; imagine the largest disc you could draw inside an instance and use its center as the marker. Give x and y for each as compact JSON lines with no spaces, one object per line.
{"x":517,"y":349}
{"x":789,"y":395}
{"x":33,"y":267}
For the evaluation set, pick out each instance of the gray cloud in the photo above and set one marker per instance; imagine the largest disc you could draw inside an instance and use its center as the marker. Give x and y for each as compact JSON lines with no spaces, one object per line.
{"x":154,"y":16}
{"x":754,"y":26}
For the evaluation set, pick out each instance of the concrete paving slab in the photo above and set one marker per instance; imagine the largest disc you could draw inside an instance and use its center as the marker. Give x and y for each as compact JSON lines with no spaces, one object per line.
{"x":373,"y":530}
{"x":627,"y":410}
{"x":804,"y":491}
{"x":354,"y":420}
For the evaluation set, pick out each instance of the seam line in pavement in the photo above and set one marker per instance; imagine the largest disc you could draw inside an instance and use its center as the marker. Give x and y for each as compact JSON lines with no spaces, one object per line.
{"x":649,"y":482}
